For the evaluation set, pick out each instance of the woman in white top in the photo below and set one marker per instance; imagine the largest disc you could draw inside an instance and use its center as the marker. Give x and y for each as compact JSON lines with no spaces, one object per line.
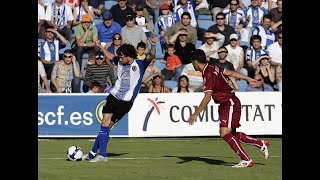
{"x":82,"y":9}
{"x":183,"y":86}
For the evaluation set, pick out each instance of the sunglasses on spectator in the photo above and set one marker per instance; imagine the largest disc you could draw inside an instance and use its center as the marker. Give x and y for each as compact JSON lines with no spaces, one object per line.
{"x":259,"y":79}
{"x":156,"y":77}
{"x":233,"y":4}
{"x":233,"y":40}
{"x":99,"y":57}
{"x":117,"y":38}
{"x":223,"y":52}
{"x":129,"y":19}
{"x":279,"y":37}
{"x":86,"y":22}
{"x":66,"y":56}
{"x":107,"y":19}
{"x":220,"y":18}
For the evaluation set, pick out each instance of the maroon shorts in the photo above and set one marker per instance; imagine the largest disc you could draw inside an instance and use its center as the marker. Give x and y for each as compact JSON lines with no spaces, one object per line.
{"x":230,"y":113}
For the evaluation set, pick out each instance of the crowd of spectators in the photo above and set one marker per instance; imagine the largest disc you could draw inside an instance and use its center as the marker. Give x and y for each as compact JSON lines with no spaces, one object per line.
{"x":78,"y":40}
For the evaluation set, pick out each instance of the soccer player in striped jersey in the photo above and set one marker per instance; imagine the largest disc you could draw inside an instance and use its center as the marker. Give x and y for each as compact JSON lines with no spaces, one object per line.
{"x":216,"y":87}
{"x":121,"y":98}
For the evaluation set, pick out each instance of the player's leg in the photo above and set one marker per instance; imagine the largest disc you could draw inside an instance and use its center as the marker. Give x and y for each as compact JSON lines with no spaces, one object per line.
{"x":229,"y":114}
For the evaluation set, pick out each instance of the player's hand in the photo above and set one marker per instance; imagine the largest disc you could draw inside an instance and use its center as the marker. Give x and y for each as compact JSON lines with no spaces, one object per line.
{"x":253,"y":82}
{"x":191,"y":119}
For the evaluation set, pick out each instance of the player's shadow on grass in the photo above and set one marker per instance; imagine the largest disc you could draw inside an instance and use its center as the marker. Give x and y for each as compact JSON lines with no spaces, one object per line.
{"x":206,"y":160}
{"x":116,"y":154}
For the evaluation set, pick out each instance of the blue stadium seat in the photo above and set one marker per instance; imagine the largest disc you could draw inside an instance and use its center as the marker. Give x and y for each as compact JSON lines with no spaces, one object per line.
{"x":204,"y":17}
{"x":159,"y":64}
{"x":97,"y":21}
{"x":170,"y":84}
{"x":68,"y":46}
{"x":109,"y":3}
{"x":159,"y":54}
{"x":206,"y":24}
{"x":198,"y":44}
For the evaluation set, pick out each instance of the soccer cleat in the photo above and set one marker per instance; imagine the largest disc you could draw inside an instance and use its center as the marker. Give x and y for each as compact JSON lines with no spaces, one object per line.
{"x":86,"y":157}
{"x":264,"y":148}
{"x":99,"y":158}
{"x":244,"y":163}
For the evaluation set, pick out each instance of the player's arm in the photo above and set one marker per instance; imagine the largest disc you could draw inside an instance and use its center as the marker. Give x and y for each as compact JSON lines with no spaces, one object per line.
{"x":235,"y":74}
{"x":206,"y":99}
{"x":152,"y":53}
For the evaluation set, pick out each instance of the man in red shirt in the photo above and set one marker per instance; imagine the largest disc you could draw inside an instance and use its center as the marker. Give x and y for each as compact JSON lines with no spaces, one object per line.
{"x":217,"y":87}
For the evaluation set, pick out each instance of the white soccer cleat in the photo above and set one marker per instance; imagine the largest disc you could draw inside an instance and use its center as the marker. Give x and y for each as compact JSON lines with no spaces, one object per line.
{"x":244,"y":163}
{"x":85,"y":157}
{"x":264,"y":148}
{"x":99,"y":158}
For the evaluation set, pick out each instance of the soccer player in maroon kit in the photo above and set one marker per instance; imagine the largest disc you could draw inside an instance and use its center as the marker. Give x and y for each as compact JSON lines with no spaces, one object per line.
{"x":217,"y":87}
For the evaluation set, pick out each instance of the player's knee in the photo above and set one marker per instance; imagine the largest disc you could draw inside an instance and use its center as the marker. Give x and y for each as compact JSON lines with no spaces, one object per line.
{"x":223,"y":131}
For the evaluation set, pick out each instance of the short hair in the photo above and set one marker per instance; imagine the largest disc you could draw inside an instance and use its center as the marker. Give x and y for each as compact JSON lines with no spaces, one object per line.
{"x":94,"y":84}
{"x":268,"y":16}
{"x":141,"y":44}
{"x":68,"y":51}
{"x":127,"y":50}
{"x":221,"y":14}
{"x":254,"y":37}
{"x":92,"y":55}
{"x":234,"y":0}
{"x":223,"y":47}
{"x":171,"y":46}
{"x":199,"y":55}
{"x":186,"y":14}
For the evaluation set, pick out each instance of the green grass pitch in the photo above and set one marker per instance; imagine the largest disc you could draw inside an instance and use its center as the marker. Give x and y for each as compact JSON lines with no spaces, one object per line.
{"x":158,"y":158}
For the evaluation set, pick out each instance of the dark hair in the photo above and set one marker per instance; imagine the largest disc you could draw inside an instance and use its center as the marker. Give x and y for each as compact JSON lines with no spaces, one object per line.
{"x":68,"y":51}
{"x":127,"y":50}
{"x":170,"y":46}
{"x":141,"y":44}
{"x":234,"y":0}
{"x":186,"y":14}
{"x":221,"y":14}
{"x":268,"y":16}
{"x":223,"y":47}
{"x":179,"y":86}
{"x":254,"y":37}
{"x":114,"y":35}
{"x":199,"y":55}
{"x":94,"y":83}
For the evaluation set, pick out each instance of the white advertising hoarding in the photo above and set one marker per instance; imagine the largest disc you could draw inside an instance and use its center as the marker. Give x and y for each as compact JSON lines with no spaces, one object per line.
{"x":166,"y":114}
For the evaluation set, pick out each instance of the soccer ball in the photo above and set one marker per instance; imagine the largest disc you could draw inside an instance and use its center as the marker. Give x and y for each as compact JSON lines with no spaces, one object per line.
{"x":74,"y":153}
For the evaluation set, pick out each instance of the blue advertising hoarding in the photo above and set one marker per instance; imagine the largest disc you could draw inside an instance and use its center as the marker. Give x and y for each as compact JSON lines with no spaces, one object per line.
{"x":74,"y":116}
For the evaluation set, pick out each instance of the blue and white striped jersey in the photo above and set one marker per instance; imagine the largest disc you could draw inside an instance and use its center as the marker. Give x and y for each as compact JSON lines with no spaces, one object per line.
{"x":129,"y":79}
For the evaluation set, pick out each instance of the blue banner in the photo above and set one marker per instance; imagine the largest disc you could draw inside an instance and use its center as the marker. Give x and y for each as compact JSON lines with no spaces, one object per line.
{"x":74,"y":116}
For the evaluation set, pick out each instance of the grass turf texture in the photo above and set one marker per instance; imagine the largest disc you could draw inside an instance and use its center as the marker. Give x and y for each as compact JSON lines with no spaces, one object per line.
{"x":158,"y":158}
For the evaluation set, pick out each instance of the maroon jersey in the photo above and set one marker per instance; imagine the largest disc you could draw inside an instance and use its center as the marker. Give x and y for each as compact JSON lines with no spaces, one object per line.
{"x":215,"y":81}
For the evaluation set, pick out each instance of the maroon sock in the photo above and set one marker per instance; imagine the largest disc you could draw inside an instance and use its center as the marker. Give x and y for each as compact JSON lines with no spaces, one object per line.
{"x":236,"y":146}
{"x":243,"y":138}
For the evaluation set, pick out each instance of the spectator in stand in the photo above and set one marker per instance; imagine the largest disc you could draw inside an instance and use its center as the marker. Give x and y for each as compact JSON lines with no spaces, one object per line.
{"x":165,"y":21}
{"x":120,"y":12}
{"x":107,"y":29}
{"x":186,"y":6}
{"x":86,"y":36}
{"x":213,"y":43}
{"x":116,"y":43}
{"x":142,"y":22}
{"x":153,"y":9}
{"x":65,"y":75}
{"x":261,"y":85}
{"x":236,"y":55}
{"x":72,"y":3}
{"x":100,"y":71}
{"x":222,"y":62}
{"x":151,"y":71}
{"x":49,"y":49}
{"x":276,"y":14}
{"x":141,"y":50}
{"x":82,"y":9}
{"x":236,"y":19}
{"x":43,"y":75}
{"x":222,"y":28}
{"x":172,"y":62}
{"x":195,"y":77}
{"x":158,"y":85}
{"x":94,"y":87}
{"x":59,"y":15}
{"x":183,"y":49}
{"x":254,"y":15}
{"x":275,"y":54}
{"x":217,"y":6}
{"x":265,"y":31}
{"x":185,"y":23}
{"x":41,"y":21}
{"x":133,"y":34}
{"x":253,"y":53}
{"x":98,"y":6}
{"x":268,"y":4}
{"x":91,"y":60}
{"x":183,"y":85}
{"x":262,"y":66}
